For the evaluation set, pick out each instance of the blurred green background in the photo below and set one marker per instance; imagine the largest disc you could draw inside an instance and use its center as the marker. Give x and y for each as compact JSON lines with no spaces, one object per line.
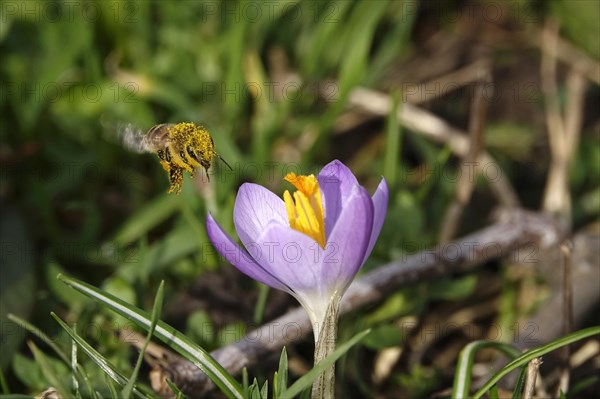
{"x":271,"y":83}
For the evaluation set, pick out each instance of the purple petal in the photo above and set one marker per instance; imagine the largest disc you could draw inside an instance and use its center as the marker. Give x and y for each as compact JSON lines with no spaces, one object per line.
{"x":291,"y":257}
{"x":238,"y":257}
{"x":349,"y":240}
{"x":380,"y":203}
{"x":336,"y":182}
{"x":256,"y":207}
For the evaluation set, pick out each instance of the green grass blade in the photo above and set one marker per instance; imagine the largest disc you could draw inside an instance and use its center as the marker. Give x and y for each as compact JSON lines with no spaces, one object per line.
{"x":175,"y":339}
{"x":275,"y":383}
{"x":48,"y":371}
{"x":254,"y":390}
{"x":282,"y":375}
{"x":74,"y":365}
{"x":38,"y":333}
{"x":245,"y":381}
{"x":176,"y":390}
{"x":535,"y":353}
{"x":3,"y":383}
{"x":97,"y":358}
{"x":158,"y":301}
{"x":392,"y":145}
{"x":307,"y":379}
{"x":519,"y":384}
{"x":50,"y":342}
{"x":494,"y":392}
{"x":261,"y":303}
{"x":111,"y":386}
{"x":462,"y":376}
{"x":264,"y":391}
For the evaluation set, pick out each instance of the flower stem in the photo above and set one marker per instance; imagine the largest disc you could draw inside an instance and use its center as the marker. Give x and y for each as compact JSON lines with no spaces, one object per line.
{"x":324,"y":385}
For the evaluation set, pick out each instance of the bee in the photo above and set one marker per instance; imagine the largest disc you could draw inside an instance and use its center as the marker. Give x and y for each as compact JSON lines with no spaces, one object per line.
{"x":180,"y":147}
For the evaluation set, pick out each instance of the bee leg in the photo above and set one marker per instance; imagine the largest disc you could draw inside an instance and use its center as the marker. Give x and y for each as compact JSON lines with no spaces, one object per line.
{"x":176,"y":178}
{"x":207,"y":176}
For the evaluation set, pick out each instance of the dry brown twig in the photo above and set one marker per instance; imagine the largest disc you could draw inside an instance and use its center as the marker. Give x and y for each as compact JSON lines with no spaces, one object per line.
{"x":454,"y":80}
{"x":563,"y":129}
{"x":566,"y":52}
{"x":530,"y":379}
{"x":567,"y":292}
{"x":466,"y":182}
{"x":436,"y":129}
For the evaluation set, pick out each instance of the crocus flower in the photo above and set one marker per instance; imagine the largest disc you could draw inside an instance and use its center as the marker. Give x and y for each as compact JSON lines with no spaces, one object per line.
{"x":311,"y":243}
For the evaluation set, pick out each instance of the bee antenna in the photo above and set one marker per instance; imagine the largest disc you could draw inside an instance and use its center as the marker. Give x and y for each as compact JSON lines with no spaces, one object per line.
{"x":225,"y":162}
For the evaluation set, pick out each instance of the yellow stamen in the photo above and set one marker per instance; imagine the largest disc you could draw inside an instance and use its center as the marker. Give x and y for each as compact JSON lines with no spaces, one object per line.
{"x":305,"y":210}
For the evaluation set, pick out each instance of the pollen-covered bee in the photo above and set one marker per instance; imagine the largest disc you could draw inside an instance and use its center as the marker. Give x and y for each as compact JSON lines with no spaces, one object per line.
{"x":179,"y":146}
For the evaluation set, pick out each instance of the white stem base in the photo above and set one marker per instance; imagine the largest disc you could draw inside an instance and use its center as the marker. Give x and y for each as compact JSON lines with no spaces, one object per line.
{"x":324,"y":385}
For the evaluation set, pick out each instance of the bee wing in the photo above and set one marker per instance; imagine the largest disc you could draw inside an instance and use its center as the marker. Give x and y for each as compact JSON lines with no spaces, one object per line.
{"x":126,"y":134}
{"x":133,"y":138}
